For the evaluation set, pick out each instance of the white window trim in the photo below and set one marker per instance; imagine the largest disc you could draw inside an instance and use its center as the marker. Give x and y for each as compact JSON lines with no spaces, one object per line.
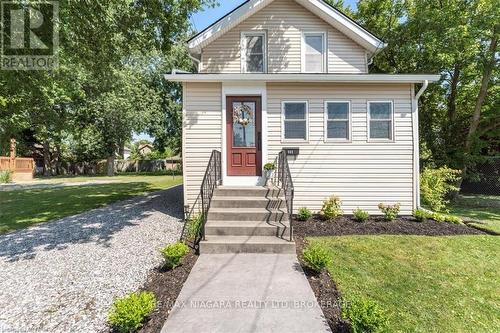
{"x":303,"y":50}
{"x":368,"y":118}
{"x":283,"y":121}
{"x":349,"y":119}
{"x":243,"y":49}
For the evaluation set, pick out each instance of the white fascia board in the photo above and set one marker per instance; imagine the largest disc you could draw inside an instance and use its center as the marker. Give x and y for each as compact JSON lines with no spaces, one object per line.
{"x":225,"y":24}
{"x":344,"y":24}
{"x":359,"y":78}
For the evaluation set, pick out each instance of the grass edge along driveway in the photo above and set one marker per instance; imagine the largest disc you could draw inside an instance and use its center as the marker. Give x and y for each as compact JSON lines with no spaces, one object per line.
{"x":22,"y":208}
{"x":426,"y":284}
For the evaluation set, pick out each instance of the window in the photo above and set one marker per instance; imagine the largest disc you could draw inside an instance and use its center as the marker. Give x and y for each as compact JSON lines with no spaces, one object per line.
{"x":337,"y":118}
{"x":294,"y":120}
{"x":380,"y":120}
{"x":313,"y":52}
{"x":253,"y":53}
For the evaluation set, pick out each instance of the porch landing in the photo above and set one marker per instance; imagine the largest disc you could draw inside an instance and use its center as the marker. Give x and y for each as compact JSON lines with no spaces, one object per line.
{"x":246,"y":293}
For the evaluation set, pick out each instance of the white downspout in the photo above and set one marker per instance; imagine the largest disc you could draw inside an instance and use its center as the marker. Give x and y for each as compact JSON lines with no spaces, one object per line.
{"x":416,"y":141}
{"x":196,"y":60}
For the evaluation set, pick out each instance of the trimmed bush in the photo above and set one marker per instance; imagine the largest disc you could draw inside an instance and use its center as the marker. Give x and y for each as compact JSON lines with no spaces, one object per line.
{"x":5,"y":176}
{"x":435,"y":185}
{"x":438,"y":217}
{"x":194,"y":225}
{"x":365,"y":315}
{"x":304,"y":214}
{"x":390,"y":211}
{"x":360,"y":215}
{"x":421,"y":215}
{"x":332,"y":207}
{"x":174,"y":253}
{"x":316,"y":257}
{"x":128,"y":313}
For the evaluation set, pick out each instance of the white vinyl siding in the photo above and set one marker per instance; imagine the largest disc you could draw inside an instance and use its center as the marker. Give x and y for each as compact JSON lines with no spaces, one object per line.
{"x":284,"y":21}
{"x":202,"y":133}
{"x":362,"y":173}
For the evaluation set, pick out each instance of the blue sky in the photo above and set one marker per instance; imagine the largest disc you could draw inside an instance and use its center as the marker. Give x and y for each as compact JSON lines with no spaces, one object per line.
{"x":204,"y":18}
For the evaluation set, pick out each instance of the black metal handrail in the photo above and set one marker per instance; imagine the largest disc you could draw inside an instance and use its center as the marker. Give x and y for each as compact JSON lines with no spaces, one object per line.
{"x":282,"y":179}
{"x":198,"y":212}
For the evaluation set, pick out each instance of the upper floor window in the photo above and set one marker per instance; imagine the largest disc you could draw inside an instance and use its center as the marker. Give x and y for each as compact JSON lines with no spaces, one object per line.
{"x":337,"y":120}
{"x":314,"y":52}
{"x":294,"y":120}
{"x":253,"y":53}
{"x":381,"y":119}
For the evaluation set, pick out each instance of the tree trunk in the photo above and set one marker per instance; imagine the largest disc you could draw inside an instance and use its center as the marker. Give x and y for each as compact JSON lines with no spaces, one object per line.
{"x":58,"y":162}
{"x":46,"y":159}
{"x":110,"y":165}
{"x":488,"y":69}
{"x":452,"y":104}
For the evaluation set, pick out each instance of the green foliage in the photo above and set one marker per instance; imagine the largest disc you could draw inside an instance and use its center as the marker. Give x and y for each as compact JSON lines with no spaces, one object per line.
{"x":128,"y":313}
{"x":174,"y":253}
{"x":390,"y":211}
{"x":332,"y":207}
{"x":269,"y":167}
{"x":316,"y":257}
{"x":304,"y":214}
{"x":453,"y":219}
{"x":360,"y":215}
{"x":5,"y":176}
{"x":435,"y":185}
{"x":365,"y":315}
{"x":438,"y":217}
{"x":194,"y":225}
{"x":421,"y":215}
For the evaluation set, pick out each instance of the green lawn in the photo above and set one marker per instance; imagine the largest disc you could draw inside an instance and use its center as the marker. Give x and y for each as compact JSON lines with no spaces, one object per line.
{"x":426,"y":284}
{"x":22,"y":208}
{"x":485,"y":209}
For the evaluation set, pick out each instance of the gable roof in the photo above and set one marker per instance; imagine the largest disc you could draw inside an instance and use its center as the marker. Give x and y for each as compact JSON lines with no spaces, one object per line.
{"x":328,"y":13}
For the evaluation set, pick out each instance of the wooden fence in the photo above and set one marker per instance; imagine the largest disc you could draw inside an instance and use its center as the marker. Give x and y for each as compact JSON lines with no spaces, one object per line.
{"x":23,"y":168}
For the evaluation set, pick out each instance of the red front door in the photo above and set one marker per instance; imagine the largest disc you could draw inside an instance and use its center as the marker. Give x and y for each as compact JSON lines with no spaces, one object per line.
{"x":244,"y":141}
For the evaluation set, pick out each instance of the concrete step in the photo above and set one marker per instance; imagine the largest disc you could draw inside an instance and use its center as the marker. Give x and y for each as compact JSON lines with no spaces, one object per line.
{"x":246,"y":244}
{"x":247,"y":228}
{"x":247,"y":214}
{"x":249,"y":191}
{"x":247,"y":202}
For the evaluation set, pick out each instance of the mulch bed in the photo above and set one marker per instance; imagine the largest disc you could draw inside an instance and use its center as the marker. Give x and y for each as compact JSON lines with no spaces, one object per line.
{"x":166,"y":285}
{"x":405,"y":225}
{"x":323,"y":286}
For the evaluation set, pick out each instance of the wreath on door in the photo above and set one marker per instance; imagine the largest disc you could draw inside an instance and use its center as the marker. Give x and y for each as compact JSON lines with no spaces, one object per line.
{"x":243,"y":115}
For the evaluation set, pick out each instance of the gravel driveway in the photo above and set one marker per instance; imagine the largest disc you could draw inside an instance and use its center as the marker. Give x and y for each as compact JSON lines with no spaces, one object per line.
{"x":62,"y":276}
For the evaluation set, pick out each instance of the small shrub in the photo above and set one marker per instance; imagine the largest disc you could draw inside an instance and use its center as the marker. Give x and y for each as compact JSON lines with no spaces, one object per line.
{"x":194,"y":225}
{"x":332,"y":207}
{"x":453,"y":219}
{"x":304,"y":214}
{"x":5,"y":176}
{"x":360,"y":215}
{"x":421,"y":215}
{"x":390,"y":211}
{"x":365,"y":315}
{"x":174,"y":253}
{"x":316,"y":257}
{"x":128,"y":313}
{"x":438,"y":217}
{"x":269,"y":167}
{"x":435,"y":185}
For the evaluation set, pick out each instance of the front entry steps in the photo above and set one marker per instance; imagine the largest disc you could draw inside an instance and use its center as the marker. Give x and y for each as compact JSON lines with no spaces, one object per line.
{"x":247,"y":220}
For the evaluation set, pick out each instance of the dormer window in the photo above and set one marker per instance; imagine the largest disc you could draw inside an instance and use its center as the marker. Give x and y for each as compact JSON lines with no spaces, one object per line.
{"x":253,"y":52}
{"x":313,"y":52}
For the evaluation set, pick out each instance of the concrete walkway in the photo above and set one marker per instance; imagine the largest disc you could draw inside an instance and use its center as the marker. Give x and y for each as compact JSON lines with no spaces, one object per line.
{"x":246,"y":293}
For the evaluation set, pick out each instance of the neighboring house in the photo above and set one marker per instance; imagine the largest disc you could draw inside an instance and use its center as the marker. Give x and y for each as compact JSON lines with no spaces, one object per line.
{"x":294,"y":74}
{"x":145,"y":149}
{"x":126,"y":153}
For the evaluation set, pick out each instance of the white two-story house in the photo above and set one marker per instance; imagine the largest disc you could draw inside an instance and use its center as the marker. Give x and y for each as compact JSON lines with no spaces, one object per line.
{"x":293,"y":74}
